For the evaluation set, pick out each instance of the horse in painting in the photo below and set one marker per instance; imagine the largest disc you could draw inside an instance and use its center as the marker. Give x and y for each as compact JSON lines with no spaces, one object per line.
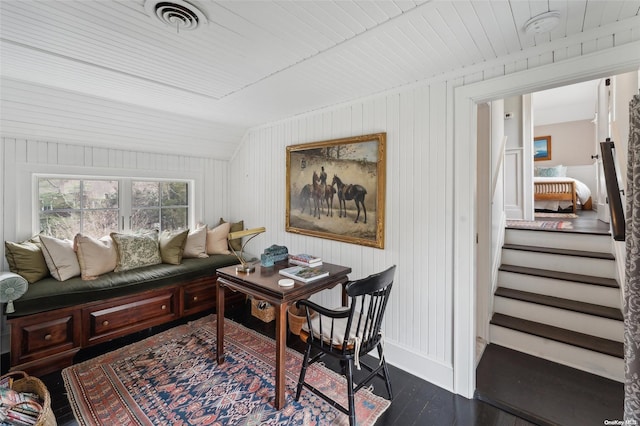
{"x":305,"y":198}
{"x":317,"y":193}
{"x":350,"y":192}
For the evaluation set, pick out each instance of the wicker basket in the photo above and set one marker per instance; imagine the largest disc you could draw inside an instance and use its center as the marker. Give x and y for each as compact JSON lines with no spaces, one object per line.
{"x":297,"y":318}
{"x":262,"y":310}
{"x":22,"y":382}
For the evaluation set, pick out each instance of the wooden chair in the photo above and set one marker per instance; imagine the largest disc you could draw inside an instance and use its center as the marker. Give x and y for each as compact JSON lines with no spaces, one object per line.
{"x":348,"y":334}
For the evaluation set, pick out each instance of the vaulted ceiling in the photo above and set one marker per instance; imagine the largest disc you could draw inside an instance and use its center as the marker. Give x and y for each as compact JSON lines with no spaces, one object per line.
{"x":258,"y":61}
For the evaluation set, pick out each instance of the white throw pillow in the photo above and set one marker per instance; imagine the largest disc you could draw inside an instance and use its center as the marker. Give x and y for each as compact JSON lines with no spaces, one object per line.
{"x":95,"y":256}
{"x":60,"y":257}
{"x":217,"y":242}
{"x":196,"y":243}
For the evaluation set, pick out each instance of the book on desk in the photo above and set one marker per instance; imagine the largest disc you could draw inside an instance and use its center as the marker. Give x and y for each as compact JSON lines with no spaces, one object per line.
{"x":304,"y":274}
{"x":305,"y":260}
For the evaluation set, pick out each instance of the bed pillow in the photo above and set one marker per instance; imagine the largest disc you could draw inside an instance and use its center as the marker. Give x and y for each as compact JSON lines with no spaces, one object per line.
{"x":172,"y":246}
{"x":196,"y":246}
{"x":235,"y":227}
{"x":555,"y":171}
{"x":136,"y":250}
{"x":60,"y":257}
{"x":217,"y":242}
{"x":26,"y":259}
{"x":95,"y":256}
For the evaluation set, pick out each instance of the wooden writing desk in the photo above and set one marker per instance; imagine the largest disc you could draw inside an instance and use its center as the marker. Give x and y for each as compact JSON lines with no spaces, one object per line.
{"x":263,"y":284}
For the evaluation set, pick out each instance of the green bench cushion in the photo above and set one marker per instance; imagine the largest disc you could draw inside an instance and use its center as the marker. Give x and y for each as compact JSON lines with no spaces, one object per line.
{"x":48,"y":293}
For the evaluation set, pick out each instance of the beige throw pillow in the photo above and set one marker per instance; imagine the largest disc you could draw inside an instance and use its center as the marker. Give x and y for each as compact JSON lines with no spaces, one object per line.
{"x":136,"y":250}
{"x":95,"y":256}
{"x":235,"y":227}
{"x":172,"y":246}
{"x":217,"y":239}
{"x":26,"y":259}
{"x":196,"y":243}
{"x":60,"y":257}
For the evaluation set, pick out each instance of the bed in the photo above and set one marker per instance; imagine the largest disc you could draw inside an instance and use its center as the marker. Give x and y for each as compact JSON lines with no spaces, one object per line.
{"x":560,"y":193}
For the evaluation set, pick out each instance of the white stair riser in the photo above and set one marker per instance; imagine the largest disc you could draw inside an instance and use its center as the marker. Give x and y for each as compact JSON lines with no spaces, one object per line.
{"x":588,"y":293}
{"x":572,"y":356}
{"x":563,"y":240}
{"x":562,"y":318}
{"x":561,"y":263}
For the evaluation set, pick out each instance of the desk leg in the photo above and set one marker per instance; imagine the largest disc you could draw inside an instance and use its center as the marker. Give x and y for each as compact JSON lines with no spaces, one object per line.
{"x":220,"y":321}
{"x":281,"y":346}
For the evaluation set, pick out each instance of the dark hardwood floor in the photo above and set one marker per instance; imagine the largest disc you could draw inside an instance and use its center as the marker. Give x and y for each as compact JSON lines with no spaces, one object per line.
{"x":416,"y":401}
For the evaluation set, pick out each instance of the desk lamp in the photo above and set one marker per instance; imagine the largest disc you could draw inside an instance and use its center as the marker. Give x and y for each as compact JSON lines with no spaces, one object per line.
{"x":244,"y":266}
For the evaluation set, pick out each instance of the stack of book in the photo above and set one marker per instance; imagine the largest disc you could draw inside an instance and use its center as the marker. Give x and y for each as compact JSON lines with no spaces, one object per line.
{"x":305,"y":260}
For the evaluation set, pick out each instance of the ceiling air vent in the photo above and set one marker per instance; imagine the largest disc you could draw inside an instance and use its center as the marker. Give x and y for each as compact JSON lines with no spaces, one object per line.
{"x":177,"y":14}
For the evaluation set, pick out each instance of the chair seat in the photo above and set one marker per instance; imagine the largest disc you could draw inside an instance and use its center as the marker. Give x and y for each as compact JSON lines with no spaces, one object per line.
{"x":339,"y":331}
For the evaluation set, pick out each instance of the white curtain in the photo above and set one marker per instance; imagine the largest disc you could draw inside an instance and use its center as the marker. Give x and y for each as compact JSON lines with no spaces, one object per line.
{"x":632,"y":276}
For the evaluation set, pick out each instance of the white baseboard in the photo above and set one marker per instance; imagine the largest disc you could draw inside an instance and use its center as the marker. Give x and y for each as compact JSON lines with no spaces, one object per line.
{"x":426,"y":368}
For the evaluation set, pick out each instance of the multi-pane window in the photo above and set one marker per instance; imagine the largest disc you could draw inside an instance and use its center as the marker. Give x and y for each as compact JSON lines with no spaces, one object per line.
{"x":96,"y":207}
{"x":69,"y":206}
{"x":159,"y":205}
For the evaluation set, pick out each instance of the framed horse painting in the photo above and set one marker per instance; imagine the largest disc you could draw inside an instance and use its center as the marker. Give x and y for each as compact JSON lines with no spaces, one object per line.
{"x":336,"y":189}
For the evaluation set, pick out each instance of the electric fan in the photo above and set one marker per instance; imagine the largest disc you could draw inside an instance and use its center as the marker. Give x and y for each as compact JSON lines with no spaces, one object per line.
{"x":12,"y":286}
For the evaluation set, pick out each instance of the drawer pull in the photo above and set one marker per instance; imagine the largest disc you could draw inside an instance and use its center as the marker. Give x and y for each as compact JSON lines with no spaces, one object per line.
{"x":47,"y":337}
{"x":105,"y":323}
{"x":164,"y":307}
{"x":195,"y":298}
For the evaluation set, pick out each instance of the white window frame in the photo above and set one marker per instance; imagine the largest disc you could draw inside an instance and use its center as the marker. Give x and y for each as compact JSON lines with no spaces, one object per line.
{"x":124,"y":195}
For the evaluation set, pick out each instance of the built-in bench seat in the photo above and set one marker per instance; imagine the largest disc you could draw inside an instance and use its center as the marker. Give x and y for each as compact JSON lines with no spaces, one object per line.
{"x":53,"y":320}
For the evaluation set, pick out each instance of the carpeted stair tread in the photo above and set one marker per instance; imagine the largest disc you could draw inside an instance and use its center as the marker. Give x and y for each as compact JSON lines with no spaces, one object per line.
{"x":566,"y":252}
{"x":566,"y":276}
{"x":574,"y":338}
{"x":558,"y":302}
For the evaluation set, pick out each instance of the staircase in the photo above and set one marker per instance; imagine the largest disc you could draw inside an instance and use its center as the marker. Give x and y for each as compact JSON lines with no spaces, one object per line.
{"x":558,"y":299}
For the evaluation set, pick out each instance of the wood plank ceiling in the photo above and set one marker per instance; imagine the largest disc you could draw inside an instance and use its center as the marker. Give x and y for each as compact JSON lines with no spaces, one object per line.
{"x":258,"y":61}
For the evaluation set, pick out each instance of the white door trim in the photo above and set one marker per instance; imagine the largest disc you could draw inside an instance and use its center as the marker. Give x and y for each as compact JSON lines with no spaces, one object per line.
{"x":591,"y":66}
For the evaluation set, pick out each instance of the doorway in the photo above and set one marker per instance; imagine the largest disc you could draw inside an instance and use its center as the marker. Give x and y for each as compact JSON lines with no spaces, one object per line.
{"x":466,"y":98}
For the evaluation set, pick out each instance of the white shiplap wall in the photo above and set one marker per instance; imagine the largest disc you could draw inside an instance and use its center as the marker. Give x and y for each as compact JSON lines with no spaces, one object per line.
{"x":22,"y":158}
{"x":420,"y":216}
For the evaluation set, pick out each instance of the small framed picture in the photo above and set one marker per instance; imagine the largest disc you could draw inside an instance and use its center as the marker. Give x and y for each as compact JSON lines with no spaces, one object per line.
{"x":541,"y":148}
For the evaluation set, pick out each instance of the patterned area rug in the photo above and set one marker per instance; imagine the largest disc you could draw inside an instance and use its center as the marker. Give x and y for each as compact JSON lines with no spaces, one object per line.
{"x":556,"y":215}
{"x":540,"y":224}
{"x":172,"y":378}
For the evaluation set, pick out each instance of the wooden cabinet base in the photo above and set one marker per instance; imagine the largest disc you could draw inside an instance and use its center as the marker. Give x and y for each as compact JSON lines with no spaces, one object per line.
{"x":48,"y":341}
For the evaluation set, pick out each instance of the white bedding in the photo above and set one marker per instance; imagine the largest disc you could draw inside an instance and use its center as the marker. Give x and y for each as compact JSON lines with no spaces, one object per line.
{"x":582,"y":191}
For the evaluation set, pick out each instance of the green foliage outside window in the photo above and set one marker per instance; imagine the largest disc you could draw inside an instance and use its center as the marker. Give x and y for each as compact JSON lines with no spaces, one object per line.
{"x":92,"y":206}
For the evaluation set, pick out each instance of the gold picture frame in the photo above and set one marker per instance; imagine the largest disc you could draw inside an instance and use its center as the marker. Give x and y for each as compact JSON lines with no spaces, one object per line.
{"x":541,"y":148}
{"x":336,"y":189}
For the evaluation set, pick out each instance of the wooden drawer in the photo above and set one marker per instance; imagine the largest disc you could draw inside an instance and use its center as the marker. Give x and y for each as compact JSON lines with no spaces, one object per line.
{"x":199,"y":296}
{"x":116,"y":318}
{"x":45,"y":334}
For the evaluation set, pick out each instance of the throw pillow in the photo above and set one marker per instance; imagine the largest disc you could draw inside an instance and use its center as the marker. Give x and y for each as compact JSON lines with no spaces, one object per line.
{"x":95,"y":256}
{"x":26,"y":259}
{"x":217,"y":239}
{"x":172,"y":246}
{"x":136,"y":250}
{"x":60,"y":257}
{"x":235,"y":227}
{"x":555,"y":171}
{"x":196,"y":243}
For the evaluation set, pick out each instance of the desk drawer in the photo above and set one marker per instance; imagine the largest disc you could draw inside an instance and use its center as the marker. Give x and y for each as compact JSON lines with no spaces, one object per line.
{"x":111,"y":320}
